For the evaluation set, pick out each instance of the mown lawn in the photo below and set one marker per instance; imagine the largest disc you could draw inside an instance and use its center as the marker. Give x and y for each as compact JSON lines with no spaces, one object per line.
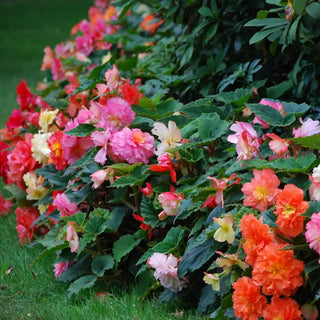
{"x":26,"y":27}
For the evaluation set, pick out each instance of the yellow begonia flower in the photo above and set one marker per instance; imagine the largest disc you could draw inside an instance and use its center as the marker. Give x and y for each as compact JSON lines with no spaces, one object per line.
{"x":47,"y":118}
{"x":226,"y":232}
{"x":213,"y":279}
{"x":35,"y":190}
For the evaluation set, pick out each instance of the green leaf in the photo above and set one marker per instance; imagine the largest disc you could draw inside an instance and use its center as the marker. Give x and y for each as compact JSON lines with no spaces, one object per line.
{"x":184,"y":209}
{"x":96,"y":225}
{"x":311,"y":142}
{"x":102,"y":263}
{"x":191,"y":154}
{"x":270,"y":218}
{"x":82,"y":130}
{"x":136,"y":178}
{"x":186,"y":56}
{"x":117,"y":215}
{"x":80,"y":195}
{"x":262,"y":14}
{"x":196,"y":256}
{"x":205,"y":11}
{"x":168,"y":245}
{"x":314,"y":207}
{"x":211,"y":127}
{"x":239,"y":97}
{"x":16,"y":192}
{"x":77,"y":270}
{"x":81,"y":283}
{"x":50,"y":251}
{"x":78,"y":218}
{"x":208,"y":297}
{"x":259,"y":36}
{"x":278,"y":90}
{"x":61,"y":104}
{"x":123,"y":246}
{"x":311,"y":266}
{"x":272,"y":116}
{"x":292,"y":164}
{"x":299,"y":5}
{"x":297,"y":109}
{"x":268,"y":22}
{"x":313,"y":10}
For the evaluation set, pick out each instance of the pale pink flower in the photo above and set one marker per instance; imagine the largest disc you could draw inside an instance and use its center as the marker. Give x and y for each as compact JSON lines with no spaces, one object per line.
{"x":314,"y":189}
{"x":166,"y":271}
{"x":132,"y":146}
{"x":275,"y":105}
{"x":60,"y":268}
{"x":101,"y":139}
{"x":308,"y":128}
{"x":278,"y":145}
{"x":98,"y":178}
{"x":170,"y":202}
{"x":85,"y":116}
{"x":64,"y":205}
{"x":112,"y":78}
{"x":313,"y":231}
{"x":246,"y":140}
{"x":72,"y":238}
{"x":170,"y":136}
{"x":316,"y":174}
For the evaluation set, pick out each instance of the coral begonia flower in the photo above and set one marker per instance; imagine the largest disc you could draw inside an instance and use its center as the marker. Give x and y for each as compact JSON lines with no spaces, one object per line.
{"x":278,"y":145}
{"x":277,"y":271}
{"x":150,"y":23}
{"x":256,"y":234}
{"x":248,"y":302}
{"x":261,"y":192}
{"x":289,"y":209}
{"x":284,"y":309}
{"x":165,"y":164}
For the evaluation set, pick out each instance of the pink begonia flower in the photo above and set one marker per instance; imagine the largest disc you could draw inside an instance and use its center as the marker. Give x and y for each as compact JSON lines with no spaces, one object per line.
{"x":57,"y":70}
{"x":308,"y":128}
{"x":116,"y":115}
{"x":260,"y":193}
{"x":64,"y":205}
{"x":112,"y":78}
{"x":85,"y":116}
{"x":275,"y":105}
{"x":313,"y":231}
{"x":221,"y":184}
{"x":102,"y":88}
{"x":74,"y":147}
{"x":314,"y":189}
{"x":72,"y":238}
{"x":98,"y":178}
{"x":101,"y":139}
{"x":246,"y":140}
{"x":170,"y":202}
{"x":5,"y":206}
{"x":60,"y":268}
{"x":278,"y":145}
{"x":85,"y":44}
{"x":132,"y":146}
{"x":170,"y":137}
{"x":166,"y":271}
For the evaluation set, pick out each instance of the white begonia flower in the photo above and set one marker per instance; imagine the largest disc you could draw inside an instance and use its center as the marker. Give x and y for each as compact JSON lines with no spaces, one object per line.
{"x":170,"y":137}
{"x":40,"y":148}
{"x":47,"y":118}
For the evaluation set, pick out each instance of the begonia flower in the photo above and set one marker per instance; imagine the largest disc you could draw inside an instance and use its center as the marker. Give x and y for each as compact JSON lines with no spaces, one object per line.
{"x":256,"y":234}
{"x":64,"y":205}
{"x":284,"y":309}
{"x":308,"y":128}
{"x":72,"y":238}
{"x":60,"y":268}
{"x":101,"y":139}
{"x":147,"y":191}
{"x":16,"y":119}
{"x":289,"y":209}
{"x":56,"y":151}
{"x":112,"y":78}
{"x":132,"y":146}
{"x":5,"y":206}
{"x":213,"y":279}
{"x":312,"y":232}
{"x":98,"y":178}
{"x":170,"y":202}
{"x":278,"y":145}
{"x":278,"y":271}
{"x":165,"y":164}
{"x":40,"y":148}
{"x":35,"y":189}
{"x":170,"y":136}
{"x":47,"y":118}
{"x":246,"y":140}
{"x":25,"y":218}
{"x":248,"y":302}
{"x":261,"y":192}
{"x":166,"y":271}
{"x":225,"y":232}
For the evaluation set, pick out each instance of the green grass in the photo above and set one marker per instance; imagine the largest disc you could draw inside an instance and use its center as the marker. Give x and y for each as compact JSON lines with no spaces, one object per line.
{"x":26,"y":27}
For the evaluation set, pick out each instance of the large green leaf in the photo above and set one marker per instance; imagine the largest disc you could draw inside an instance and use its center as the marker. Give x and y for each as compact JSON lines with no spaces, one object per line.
{"x":313,"y":10}
{"x":196,"y":256}
{"x":77,"y":270}
{"x":135,"y":178}
{"x":288,"y":164}
{"x":82,"y":130}
{"x":311,"y":142}
{"x":123,"y":246}
{"x":102,"y":263}
{"x":96,"y":225}
{"x":81,"y":283}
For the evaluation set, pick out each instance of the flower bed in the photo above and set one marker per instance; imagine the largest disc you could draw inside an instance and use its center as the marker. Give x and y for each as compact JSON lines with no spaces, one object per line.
{"x":132,"y":162}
